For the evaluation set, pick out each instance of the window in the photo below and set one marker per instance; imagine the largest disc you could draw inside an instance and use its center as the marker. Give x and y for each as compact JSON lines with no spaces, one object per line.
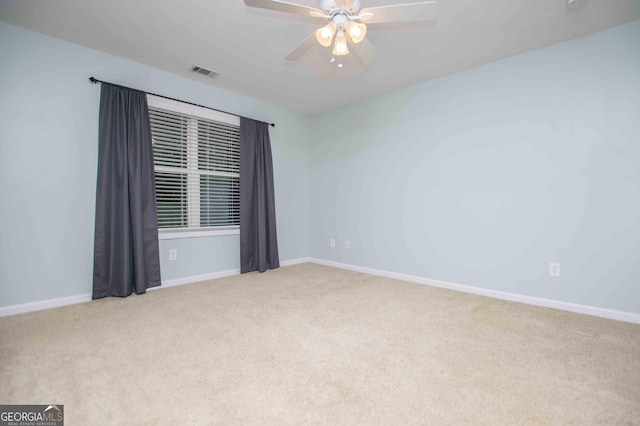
{"x":196,"y":155}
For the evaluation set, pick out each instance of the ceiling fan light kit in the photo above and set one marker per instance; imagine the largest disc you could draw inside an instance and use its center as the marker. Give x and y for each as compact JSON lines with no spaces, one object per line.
{"x":341,"y":26}
{"x":325,"y":34}
{"x":356,"y":31}
{"x":346,"y":20}
{"x":340,"y":47}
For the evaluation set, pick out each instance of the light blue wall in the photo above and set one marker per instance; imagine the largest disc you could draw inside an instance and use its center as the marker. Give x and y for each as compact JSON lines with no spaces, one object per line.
{"x":48,"y":158}
{"x":480,"y":178}
{"x":484,"y":177}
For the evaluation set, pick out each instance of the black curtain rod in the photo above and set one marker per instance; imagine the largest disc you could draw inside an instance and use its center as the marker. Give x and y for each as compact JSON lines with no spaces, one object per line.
{"x":96,"y":81}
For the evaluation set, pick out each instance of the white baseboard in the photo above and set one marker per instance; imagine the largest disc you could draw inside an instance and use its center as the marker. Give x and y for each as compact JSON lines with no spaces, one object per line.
{"x":537,"y":301}
{"x":71,"y":300}
{"x":513,"y":297}
{"x":195,"y":279}
{"x":296,"y":261}
{"x":23,"y":308}
{"x":221,"y":274}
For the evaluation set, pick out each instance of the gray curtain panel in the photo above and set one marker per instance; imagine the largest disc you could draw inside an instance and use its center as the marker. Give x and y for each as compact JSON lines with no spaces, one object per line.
{"x":126,"y":253}
{"x":258,"y":241}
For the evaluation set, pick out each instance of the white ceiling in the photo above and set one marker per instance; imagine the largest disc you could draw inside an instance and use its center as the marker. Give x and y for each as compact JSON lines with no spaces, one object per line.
{"x":247,"y":45}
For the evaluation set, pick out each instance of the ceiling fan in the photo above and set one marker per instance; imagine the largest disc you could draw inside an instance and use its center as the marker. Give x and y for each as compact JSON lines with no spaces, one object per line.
{"x":346,"y":22}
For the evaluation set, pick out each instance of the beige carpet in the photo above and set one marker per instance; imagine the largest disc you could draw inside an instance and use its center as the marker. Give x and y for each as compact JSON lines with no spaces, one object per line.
{"x":308,"y":344}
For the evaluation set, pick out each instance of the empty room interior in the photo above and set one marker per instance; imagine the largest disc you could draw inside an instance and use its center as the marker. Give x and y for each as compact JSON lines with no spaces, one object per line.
{"x":320,"y":211}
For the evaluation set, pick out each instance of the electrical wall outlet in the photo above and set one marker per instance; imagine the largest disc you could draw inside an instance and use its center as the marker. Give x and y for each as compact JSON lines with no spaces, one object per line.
{"x":173,"y":254}
{"x":554,"y":269}
{"x":332,"y":243}
{"x":347,"y":244}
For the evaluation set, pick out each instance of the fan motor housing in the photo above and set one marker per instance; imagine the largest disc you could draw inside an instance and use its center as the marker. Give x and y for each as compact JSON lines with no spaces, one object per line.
{"x":351,"y":7}
{"x":340,"y":21}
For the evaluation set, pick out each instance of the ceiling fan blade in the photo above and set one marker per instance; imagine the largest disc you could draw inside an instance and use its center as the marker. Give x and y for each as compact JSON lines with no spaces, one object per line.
{"x":302,"y":48}
{"x":423,"y":11}
{"x":283,"y":6}
{"x":365,"y":52}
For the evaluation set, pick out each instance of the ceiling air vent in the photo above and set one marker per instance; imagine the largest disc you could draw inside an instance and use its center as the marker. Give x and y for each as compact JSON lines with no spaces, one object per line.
{"x":574,"y":4}
{"x":204,"y":71}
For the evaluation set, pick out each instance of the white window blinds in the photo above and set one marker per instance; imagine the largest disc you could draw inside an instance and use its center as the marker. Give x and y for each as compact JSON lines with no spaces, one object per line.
{"x":196,"y":155}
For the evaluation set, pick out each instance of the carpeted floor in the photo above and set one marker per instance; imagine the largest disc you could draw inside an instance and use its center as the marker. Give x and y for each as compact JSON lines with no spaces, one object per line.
{"x":309,"y":344}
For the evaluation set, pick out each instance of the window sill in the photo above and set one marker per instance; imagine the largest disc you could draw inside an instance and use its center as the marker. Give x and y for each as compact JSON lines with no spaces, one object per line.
{"x":172,"y":235}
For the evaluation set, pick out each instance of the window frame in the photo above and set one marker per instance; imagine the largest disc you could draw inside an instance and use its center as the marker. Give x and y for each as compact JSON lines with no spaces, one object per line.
{"x":208,"y":114}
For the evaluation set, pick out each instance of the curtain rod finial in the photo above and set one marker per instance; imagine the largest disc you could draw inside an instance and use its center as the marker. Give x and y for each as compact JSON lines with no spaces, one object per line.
{"x":94,"y":80}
